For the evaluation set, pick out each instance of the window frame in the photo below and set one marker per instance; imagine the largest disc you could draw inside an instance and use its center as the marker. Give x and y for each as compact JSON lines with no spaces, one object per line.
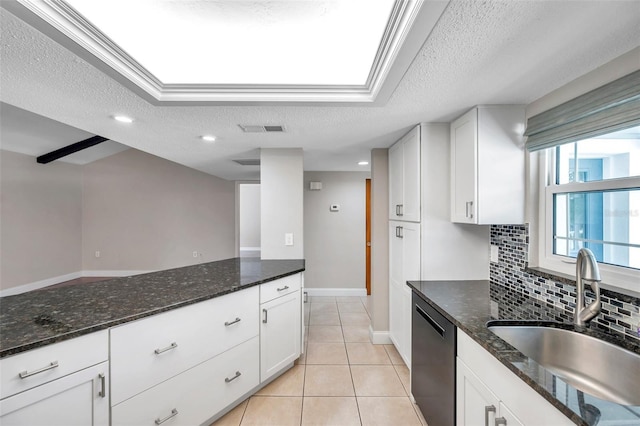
{"x":617,"y":276}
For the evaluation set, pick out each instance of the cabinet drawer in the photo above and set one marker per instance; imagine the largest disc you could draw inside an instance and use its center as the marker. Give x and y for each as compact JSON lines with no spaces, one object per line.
{"x":197,"y":394}
{"x":51,"y":362}
{"x":277,"y":288}
{"x":147,"y":352}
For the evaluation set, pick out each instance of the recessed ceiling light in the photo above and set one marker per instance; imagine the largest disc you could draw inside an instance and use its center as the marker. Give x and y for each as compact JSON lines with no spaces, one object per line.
{"x":123,"y":118}
{"x":363,"y":163}
{"x":208,"y":138}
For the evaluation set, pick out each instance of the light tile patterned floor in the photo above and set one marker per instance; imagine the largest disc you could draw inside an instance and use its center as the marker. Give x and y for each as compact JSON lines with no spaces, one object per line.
{"x":341,"y":379}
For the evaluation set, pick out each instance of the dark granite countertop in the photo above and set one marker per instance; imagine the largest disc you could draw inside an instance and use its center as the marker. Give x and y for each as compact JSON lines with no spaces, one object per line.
{"x":38,"y":318}
{"x":468,"y":304}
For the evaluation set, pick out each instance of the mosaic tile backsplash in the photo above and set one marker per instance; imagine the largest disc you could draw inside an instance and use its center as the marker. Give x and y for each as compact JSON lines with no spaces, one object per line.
{"x":620,"y":313}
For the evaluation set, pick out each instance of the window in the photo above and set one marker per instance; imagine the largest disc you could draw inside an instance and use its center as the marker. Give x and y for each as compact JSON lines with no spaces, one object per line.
{"x":595,"y":198}
{"x":589,"y":174}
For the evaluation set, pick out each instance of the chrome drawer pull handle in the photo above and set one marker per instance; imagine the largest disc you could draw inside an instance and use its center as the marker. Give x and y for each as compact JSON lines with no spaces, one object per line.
{"x":174,"y":413}
{"x":229,"y":380}
{"x":401,"y":209}
{"x":286,"y":287}
{"x":264,"y":311}
{"x":25,"y":374}
{"x":501,"y":421}
{"x":103,"y":385}
{"x":168,"y":348}
{"x":227,"y":323}
{"x":488,"y":409}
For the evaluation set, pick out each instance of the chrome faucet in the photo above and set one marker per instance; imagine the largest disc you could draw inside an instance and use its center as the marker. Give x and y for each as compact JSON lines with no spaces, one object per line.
{"x":586,"y":270}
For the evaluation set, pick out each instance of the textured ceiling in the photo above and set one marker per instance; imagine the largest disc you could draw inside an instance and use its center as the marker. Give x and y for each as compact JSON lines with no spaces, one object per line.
{"x":490,"y":52}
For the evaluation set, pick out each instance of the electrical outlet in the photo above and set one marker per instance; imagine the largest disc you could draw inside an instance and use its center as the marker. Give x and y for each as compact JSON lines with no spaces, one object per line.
{"x":195,"y":254}
{"x":288,"y":239}
{"x":97,"y":253}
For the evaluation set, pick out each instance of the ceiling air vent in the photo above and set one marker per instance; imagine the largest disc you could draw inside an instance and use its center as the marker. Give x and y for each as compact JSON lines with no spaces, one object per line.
{"x":248,"y":128}
{"x":248,"y":162}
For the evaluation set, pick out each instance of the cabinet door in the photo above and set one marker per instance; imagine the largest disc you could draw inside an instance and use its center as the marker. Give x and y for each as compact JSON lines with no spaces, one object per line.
{"x":404,"y":265}
{"x":396,"y":183}
{"x":77,"y":399}
{"x":410,"y":206}
{"x":476,"y":405}
{"x":279,"y":333}
{"x":509,"y":419}
{"x":464,"y":142}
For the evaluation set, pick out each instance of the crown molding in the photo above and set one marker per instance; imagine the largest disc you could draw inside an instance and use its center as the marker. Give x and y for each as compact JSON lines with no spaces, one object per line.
{"x":62,"y":23}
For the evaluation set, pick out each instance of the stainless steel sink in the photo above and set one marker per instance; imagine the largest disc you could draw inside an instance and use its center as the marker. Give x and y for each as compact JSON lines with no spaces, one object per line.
{"x":591,"y":365}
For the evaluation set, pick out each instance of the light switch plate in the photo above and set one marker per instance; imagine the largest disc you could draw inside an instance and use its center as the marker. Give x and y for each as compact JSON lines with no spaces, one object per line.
{"x":494,"y":253}
{"x":334,"y":207}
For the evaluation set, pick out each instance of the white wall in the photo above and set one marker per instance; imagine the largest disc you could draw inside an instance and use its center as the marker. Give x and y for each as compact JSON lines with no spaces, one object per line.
{"x":450,"y":251}
{"x":41,"y":217}
{"x":146,"y":213}
{"x":281,"y":180}
{"x":380,"y":240}
{"x":249,"y":194}
{"x":335,"y":241}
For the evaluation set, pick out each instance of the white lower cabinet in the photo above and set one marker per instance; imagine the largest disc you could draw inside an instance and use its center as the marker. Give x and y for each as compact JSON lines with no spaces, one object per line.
{"x":476,"y":405}
{"x":78,"y":399}
{"x":279,"y":333}
{"x":194,"y":396}
{"x":489,"y":394}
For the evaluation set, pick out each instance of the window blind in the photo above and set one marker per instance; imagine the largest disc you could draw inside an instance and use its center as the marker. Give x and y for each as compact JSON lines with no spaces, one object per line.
{"x":614,"y":106}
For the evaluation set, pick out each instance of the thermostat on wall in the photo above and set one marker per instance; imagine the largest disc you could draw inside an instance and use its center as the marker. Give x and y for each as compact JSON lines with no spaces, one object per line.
{"x":334,"y":207}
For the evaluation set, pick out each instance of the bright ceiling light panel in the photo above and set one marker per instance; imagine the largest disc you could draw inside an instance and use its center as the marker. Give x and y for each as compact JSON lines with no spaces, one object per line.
{"x":123,"y":119}
{"x":288,"y":42}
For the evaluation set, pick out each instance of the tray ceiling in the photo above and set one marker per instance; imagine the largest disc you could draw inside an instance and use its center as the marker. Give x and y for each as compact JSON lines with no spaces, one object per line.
{"x":245,"y":51}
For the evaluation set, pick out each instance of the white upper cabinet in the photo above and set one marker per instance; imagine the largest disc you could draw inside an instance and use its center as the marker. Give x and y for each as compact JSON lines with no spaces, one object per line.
{"x":487,"y":166}
{"x":404,"y":178}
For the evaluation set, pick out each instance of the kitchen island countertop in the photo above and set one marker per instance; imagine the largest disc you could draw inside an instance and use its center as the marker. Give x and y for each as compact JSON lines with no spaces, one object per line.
{"x":41,"y":317}
{"x":468,"y":305}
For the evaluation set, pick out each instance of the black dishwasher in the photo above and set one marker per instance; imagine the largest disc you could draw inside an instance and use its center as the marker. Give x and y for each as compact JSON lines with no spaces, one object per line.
{"x":433,"y":363}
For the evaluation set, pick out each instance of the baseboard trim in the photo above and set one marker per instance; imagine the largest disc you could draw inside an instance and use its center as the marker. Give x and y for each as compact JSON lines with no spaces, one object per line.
{"x":250,"y":248}
{"x":23,"y":288}
{"x":379,"y":337}
{"x":343,"y":292}
{"x":110,"y":273}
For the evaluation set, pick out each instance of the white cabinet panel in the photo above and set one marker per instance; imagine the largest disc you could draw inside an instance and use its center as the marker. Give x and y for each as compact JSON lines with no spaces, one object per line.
{"x":51,"y":362}
{"x":196,"y":395}
{"x":404,"y":178}
{"x":476,"y":405}
{"x":76,"y":399}
{"x":487,"y":166}
{"x":148,"y":351}
{"x":279,"y":334}
{"x":404,"y":265}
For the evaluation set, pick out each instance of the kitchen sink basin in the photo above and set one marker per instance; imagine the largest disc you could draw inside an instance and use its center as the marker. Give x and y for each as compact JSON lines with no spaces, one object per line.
{"x":591,"y":365}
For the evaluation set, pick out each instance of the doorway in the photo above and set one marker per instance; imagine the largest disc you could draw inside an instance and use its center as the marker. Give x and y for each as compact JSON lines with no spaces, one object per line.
{"x":368,"y":236}
{"x":249,"y":219}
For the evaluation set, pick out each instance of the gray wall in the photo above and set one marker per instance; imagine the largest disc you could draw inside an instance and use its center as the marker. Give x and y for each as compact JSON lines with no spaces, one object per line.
{"x":335,"y":241}
{"x":249,"y":194}
{"x":146,"y":213}
{"x":140,"y":211}
{"x":281,"y":203}
{"x":380,"y":240}
{"x":41,"y":214}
